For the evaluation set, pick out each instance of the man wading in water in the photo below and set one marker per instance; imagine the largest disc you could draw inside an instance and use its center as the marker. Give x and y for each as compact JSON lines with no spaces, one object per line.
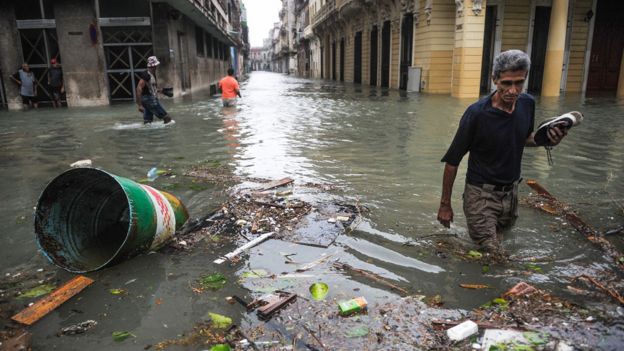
{"x":147,"y":94}
{"x":495,"y":130}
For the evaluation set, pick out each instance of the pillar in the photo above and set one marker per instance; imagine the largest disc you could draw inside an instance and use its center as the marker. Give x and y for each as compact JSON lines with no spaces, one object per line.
{"x":468,"y":52}
{"x":84,"y":74}
{"x":553,"y":64}
{"x":620,"y":88}
{"x":11,"y":57}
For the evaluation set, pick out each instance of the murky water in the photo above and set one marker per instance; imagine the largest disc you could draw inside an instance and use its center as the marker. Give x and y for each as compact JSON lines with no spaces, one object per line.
{"x":382,"y":148}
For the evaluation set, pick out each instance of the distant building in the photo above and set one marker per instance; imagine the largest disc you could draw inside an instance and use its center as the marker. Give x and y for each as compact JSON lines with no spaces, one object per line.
{"x":448,"y":46}
{"x":102,"y":45}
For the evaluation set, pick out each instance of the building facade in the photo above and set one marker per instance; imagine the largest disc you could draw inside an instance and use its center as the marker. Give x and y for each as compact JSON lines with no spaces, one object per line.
{"x":103,"y":44}
{"x":448,"y":46}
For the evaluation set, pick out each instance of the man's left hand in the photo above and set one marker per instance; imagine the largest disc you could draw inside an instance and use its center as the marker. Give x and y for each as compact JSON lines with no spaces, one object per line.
{"x":556,"y":134}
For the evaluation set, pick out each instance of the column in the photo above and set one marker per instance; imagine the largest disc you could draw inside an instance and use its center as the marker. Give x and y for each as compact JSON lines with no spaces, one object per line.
{"x":84,"y":74}
{"x":468,"y":52}
{"x":620,"y":88}
{"x":553,"y":64}
{"x":10,"y":59}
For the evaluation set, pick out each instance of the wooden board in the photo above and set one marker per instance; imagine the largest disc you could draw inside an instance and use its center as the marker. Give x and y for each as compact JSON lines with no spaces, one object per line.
{"x":47,"y":304}
{"x":277,"y":183}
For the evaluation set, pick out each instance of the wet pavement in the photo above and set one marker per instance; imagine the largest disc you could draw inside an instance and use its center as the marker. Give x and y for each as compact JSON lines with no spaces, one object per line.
{"x":381,"y":148}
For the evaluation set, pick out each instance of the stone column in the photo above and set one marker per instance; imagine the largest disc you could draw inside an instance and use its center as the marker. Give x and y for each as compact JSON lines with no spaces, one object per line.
{"x":84,"y":66}
{"x":553,"y":64}
{"x":11,"y":53}
{"x":467,"y":55}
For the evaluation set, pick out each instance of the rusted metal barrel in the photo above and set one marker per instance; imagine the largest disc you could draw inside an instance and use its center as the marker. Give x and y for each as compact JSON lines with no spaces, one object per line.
{"x":87,"y":219}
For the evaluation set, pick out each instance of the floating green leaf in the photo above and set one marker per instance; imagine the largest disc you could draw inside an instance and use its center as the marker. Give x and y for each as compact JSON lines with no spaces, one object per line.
{"x":474,"y":254}
{"x":534,"y":267}
{"x":120,"y":336}
{"x":37,"y":291}
{"x":221,"y":347}
{"x":319,"y":291}
{"x":536,"y":338}
{"x":219,"y":321}
{"x":357,"y":332}
{"x":117,"y":291}
{"x":214,"y":281}
{"x":485,"y":269}
{"x":502,"y":303}
{"x":256,"y":273}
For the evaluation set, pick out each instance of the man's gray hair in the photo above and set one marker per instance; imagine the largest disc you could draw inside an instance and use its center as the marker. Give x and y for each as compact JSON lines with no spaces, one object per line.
{"x":510,"y":60}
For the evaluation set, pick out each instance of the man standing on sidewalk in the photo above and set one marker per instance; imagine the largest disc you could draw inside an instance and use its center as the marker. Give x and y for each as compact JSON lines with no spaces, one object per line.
{"x":27,"y":83}
{"x":55,"y":81}
{"x":495,"y":131}
{"x":147,"y":94}
{"x":229,"y":89}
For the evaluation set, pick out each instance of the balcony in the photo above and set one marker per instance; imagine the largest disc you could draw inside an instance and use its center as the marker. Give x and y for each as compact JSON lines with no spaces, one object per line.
{"x":324,"y":12}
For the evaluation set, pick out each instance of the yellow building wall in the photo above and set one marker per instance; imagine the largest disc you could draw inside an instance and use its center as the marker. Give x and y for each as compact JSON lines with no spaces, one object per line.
{"x":516,"y":19}
{"x":578,"y":45}
{"x":467,"y":55}
{"x":366,"y":55}
{"x":433,"y":46}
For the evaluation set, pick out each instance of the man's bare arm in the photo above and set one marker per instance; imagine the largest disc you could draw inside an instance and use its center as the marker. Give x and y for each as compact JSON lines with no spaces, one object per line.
{"x":445,"y":212}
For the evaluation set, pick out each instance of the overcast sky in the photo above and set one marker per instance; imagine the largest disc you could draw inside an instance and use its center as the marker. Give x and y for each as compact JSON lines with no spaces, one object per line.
{"x":261,"y":14}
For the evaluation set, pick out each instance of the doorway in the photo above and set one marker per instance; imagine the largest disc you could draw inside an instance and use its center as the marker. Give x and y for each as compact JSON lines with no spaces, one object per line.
{"x":488,"y":48}
{"x":357,"y":58}
{"x":185,"y":79}
{"x":538,"y":48}
{"x":333,"y":60}
{"x":373,"y":56}
{"x":607,"y":46}
{"x":385,"y":55}
{"x":342,"y":59}
{"x":407,"y":36}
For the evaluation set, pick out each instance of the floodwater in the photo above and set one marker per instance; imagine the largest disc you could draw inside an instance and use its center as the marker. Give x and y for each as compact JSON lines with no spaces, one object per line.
{"x":382,"y":148}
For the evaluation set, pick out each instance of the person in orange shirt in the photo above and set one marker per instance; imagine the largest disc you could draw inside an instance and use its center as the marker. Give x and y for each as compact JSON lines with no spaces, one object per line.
{"x":229,"y":89}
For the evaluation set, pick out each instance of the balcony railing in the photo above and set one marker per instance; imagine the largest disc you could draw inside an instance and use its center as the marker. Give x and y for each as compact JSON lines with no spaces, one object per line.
{"x":324,"y":11}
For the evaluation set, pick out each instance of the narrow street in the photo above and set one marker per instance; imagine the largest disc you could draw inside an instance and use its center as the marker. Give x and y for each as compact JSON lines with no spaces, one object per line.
{"x":379,"y":147}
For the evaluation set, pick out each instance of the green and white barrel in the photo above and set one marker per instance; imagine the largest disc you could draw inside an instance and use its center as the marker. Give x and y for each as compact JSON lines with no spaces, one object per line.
{"x":87,"y":219}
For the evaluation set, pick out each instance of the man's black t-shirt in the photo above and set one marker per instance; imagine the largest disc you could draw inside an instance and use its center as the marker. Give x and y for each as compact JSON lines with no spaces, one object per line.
{"x":56,"y":77}
{"x":495,"y":140}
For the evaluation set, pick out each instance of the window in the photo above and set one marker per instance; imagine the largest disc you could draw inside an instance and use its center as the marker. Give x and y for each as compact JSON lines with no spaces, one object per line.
{"x":199,"y":41}
{"x":208,"y":44}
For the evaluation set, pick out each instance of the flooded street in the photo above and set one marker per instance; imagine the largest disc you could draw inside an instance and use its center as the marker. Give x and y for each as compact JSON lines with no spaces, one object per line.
{"x":381,"y":148}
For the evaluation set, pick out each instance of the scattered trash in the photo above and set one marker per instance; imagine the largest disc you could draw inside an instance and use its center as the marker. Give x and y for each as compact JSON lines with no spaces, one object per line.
{"x":81,"y":163}
{"x":120,"y":336}
{"x":273,"y":303}
{"x":78,"y":328}
{"x":370,"y":275}
{"x":19,"y":342}
{"x":520,"y":289}
{"x":331,"y":220}
{"x":498,"y":339}
{"x":220,"y":321}
{"x":241,"y":249}
{"x":319,"y":291}
{"x":37,"y":291}
{"x":352,"y":306}
{"x":314,"y":263}
{"x":255,"y":273}
{"x":47,"y":304}
{"x":475,"y":286}
{"x":277,"y":183}
{"x":462,"y":330}
{"x":152,"y":174}
{"x":343,"y":218}
{"x":357,"y":332}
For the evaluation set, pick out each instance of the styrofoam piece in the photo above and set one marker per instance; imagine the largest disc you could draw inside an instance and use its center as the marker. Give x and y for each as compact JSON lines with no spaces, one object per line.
{"x":462,"y":330}
{"x":250,"y":244}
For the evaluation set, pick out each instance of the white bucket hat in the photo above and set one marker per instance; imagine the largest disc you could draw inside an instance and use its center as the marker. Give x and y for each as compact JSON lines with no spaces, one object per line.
{"x":152,"y":61}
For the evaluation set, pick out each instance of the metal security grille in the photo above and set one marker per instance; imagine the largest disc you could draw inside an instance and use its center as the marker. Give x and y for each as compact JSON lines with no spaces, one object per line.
{"x":126,"y":50}
{"x":39,"y":45}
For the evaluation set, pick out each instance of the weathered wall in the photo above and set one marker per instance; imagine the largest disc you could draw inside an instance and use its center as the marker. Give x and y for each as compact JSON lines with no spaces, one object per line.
{"x":84,"y":74}
{"x":10,"y":57}
{"x":578,"y":45}
{"x":467,"y":55}
{"x":433,"y":46}
{"x":516,"y":18}
{"x":395,"y":47}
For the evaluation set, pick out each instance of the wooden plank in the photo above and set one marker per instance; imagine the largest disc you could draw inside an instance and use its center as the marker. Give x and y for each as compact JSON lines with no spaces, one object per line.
{"x":277,"y":183}
{"x":554,"y":206}
{"x":276,"y":304}
{"x":47,"y":304}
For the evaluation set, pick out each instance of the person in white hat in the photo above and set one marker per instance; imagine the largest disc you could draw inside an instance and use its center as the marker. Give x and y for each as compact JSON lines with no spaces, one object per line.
{"x":147,"y":94}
